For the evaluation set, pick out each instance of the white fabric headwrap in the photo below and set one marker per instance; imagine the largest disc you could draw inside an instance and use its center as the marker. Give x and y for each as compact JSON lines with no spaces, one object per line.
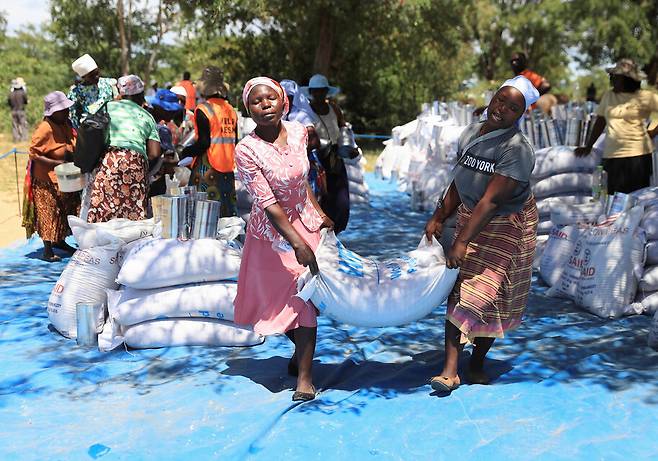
{"x":526,"y":88}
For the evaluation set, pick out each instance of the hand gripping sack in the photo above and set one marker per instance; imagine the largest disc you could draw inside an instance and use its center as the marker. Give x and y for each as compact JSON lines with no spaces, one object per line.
{"x":604,"y":267}
{"x":369,"y":293}
{"x":86,"y":277}
{"x":157,"y":263}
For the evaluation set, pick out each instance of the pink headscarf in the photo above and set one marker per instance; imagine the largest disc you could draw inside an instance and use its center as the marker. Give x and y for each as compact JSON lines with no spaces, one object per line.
{"x":276,"y":86}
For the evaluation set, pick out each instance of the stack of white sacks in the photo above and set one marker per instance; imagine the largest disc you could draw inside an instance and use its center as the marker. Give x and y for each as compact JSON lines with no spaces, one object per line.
{"x":359,"y":192}
{"x":158,"y":292}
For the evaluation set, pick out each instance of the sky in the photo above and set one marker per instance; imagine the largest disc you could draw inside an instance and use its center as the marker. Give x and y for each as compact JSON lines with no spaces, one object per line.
{"x":23,"y":12}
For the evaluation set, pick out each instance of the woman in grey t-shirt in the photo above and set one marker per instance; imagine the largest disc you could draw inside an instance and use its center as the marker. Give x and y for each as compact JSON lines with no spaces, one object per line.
{"x":496,"y":233}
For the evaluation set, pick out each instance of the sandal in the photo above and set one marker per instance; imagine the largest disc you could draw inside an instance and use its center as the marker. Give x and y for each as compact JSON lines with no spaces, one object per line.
{"x":444,"y":383}
{"x":304,"y":396}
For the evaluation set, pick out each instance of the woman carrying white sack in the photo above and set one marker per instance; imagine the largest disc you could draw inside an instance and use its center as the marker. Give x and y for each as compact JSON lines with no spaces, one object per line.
{"x":283,"y":230}
{"x":494,"y":243}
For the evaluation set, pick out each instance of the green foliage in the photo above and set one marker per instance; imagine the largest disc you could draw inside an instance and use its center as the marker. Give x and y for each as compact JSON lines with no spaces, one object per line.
{"x":29,"y":54}
{"x":388,"y":56}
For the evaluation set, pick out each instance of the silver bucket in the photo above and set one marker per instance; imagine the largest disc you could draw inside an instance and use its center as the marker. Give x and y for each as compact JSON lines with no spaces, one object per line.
{"x":171,"y":211}
{"x":87,"y":316}
{"x":190,"y":193}
{"x":206,"y":216}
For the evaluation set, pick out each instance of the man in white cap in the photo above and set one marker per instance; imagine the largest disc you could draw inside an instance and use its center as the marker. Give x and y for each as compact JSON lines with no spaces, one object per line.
{"x":17,"y":101}
{"x":92,"y":92}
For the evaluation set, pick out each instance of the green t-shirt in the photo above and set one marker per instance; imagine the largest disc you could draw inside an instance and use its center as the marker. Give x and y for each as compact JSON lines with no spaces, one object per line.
{"x":131,"y":126}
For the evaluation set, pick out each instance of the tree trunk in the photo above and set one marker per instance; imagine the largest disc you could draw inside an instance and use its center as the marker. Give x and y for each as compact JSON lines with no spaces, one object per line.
{"x":325,"y":46}
{"x":123,"y":42}
{"x":160,"y":26}
{"x":651,"y":70}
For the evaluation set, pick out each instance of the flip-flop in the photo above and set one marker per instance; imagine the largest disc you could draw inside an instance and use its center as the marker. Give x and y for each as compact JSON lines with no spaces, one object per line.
{"x":444,"y":383}
{"x":304,"y":396}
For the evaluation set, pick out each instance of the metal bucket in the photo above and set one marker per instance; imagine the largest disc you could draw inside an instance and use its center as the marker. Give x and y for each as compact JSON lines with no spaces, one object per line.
{"x":190,"y":193}
{"x":171,"y":211}
{"x":201,"y":196}
{"x":87,"y":316}
{"x":206,"y":216}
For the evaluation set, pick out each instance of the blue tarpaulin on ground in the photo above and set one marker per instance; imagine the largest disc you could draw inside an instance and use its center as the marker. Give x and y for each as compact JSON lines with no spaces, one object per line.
{"x":568,"y":384}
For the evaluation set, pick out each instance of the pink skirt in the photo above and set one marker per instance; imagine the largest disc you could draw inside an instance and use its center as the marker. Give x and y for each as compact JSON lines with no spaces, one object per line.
{"x":267,"y":286}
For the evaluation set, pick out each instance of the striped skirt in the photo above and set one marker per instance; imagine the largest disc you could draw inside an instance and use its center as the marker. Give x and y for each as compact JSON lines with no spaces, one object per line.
{"x":492,"y":290}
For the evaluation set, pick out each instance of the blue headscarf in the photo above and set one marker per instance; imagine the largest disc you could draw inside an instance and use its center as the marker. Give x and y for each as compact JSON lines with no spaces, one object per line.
{"x":301,"y":110}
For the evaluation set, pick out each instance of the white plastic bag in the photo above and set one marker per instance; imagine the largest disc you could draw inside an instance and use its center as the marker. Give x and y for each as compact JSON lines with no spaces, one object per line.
{"x":604,"y":267}
{"x":157,"y":263}
{"x":130,"y":306}
{"x":118,"y":230}
{"x":230,"y":228}
{"x":369,"y":293}
{"x":84,"y":280}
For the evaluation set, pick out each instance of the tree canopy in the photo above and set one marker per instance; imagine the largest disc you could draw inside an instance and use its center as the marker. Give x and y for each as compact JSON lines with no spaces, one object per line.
{"x":387,"y":56}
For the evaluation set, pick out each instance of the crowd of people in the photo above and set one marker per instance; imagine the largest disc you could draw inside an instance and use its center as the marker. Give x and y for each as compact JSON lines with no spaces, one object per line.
{"x":291,"y":166}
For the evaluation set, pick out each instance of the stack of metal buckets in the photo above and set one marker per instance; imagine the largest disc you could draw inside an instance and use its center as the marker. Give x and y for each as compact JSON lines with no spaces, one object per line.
{"x":186,"y":215}
{"x":570,"y":126}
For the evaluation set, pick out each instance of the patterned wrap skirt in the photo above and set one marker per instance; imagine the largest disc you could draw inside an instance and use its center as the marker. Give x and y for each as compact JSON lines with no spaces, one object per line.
{"x":120,"y":187}
{"x":51,"y":209}
{"x":492,"y":289}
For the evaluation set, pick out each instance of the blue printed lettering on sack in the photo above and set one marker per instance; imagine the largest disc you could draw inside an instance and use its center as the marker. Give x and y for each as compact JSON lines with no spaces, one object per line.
{"x":349,"y":262}
{"x":219,"y":315}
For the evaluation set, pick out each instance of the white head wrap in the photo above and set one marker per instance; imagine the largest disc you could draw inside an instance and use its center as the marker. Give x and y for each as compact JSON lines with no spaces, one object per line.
{"x":526,"y":88}
{"x":84,"y":64}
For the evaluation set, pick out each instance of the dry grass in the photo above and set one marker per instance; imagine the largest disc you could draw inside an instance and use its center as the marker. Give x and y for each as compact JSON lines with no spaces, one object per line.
{"x":10,"y":220}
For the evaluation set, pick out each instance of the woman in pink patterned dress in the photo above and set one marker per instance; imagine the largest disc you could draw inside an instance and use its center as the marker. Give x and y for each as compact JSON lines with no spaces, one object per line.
{"x":283,"y":230}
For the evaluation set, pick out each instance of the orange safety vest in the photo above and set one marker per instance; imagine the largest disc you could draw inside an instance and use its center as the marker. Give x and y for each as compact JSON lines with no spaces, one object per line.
{"x":223,"y":128}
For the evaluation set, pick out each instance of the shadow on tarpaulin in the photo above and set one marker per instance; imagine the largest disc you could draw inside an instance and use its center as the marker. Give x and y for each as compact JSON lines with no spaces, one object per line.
{"x":568,"y":384}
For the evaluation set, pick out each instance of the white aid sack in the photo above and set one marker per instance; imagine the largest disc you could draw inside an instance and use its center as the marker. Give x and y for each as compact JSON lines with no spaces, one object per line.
{"x":157,"y":263}
{"x":89,"y":235}
{"x":369,"y":293}
{"x":563,"y":184}
{"x":359,"y":189}
{"x":650,"y":224}
{"x":544,"y":227}
{"x":604,"y":267}
{"x":188,"y":332}
{"x":85,"y":279}
{"x":358,"y":199}
{"x":649,"y":280}
{"x":354,"y":173}
{"x":130,"y":306}
{"x":564,"y":214}
{"x":557,"y":250}
{"x":551,"y":161}
{"x":651,"y":252}
{"x":544,"y":205}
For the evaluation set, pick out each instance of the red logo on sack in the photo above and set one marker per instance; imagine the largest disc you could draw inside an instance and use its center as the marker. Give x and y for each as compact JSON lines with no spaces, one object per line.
{"x":59,"y":288}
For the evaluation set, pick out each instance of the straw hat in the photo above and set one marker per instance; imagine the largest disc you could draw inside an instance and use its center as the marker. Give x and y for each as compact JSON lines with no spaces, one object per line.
{"x":212,"y":82}
{"x":627,"y":68}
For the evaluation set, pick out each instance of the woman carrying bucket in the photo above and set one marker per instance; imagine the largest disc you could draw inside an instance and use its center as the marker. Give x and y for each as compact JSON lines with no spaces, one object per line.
{"x":52,"y":142}
{"x":496,"y":233}
{"x":283,"y":231}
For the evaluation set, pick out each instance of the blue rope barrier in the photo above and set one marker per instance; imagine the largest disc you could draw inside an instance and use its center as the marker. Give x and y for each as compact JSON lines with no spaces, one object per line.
{"x":12,"y":152}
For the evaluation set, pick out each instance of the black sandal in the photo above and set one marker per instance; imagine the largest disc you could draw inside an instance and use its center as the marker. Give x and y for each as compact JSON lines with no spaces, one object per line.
{"x":304,"y":396}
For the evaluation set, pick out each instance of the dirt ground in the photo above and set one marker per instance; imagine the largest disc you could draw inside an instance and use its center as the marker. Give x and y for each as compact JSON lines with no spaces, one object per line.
{"x":10,"y":220}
